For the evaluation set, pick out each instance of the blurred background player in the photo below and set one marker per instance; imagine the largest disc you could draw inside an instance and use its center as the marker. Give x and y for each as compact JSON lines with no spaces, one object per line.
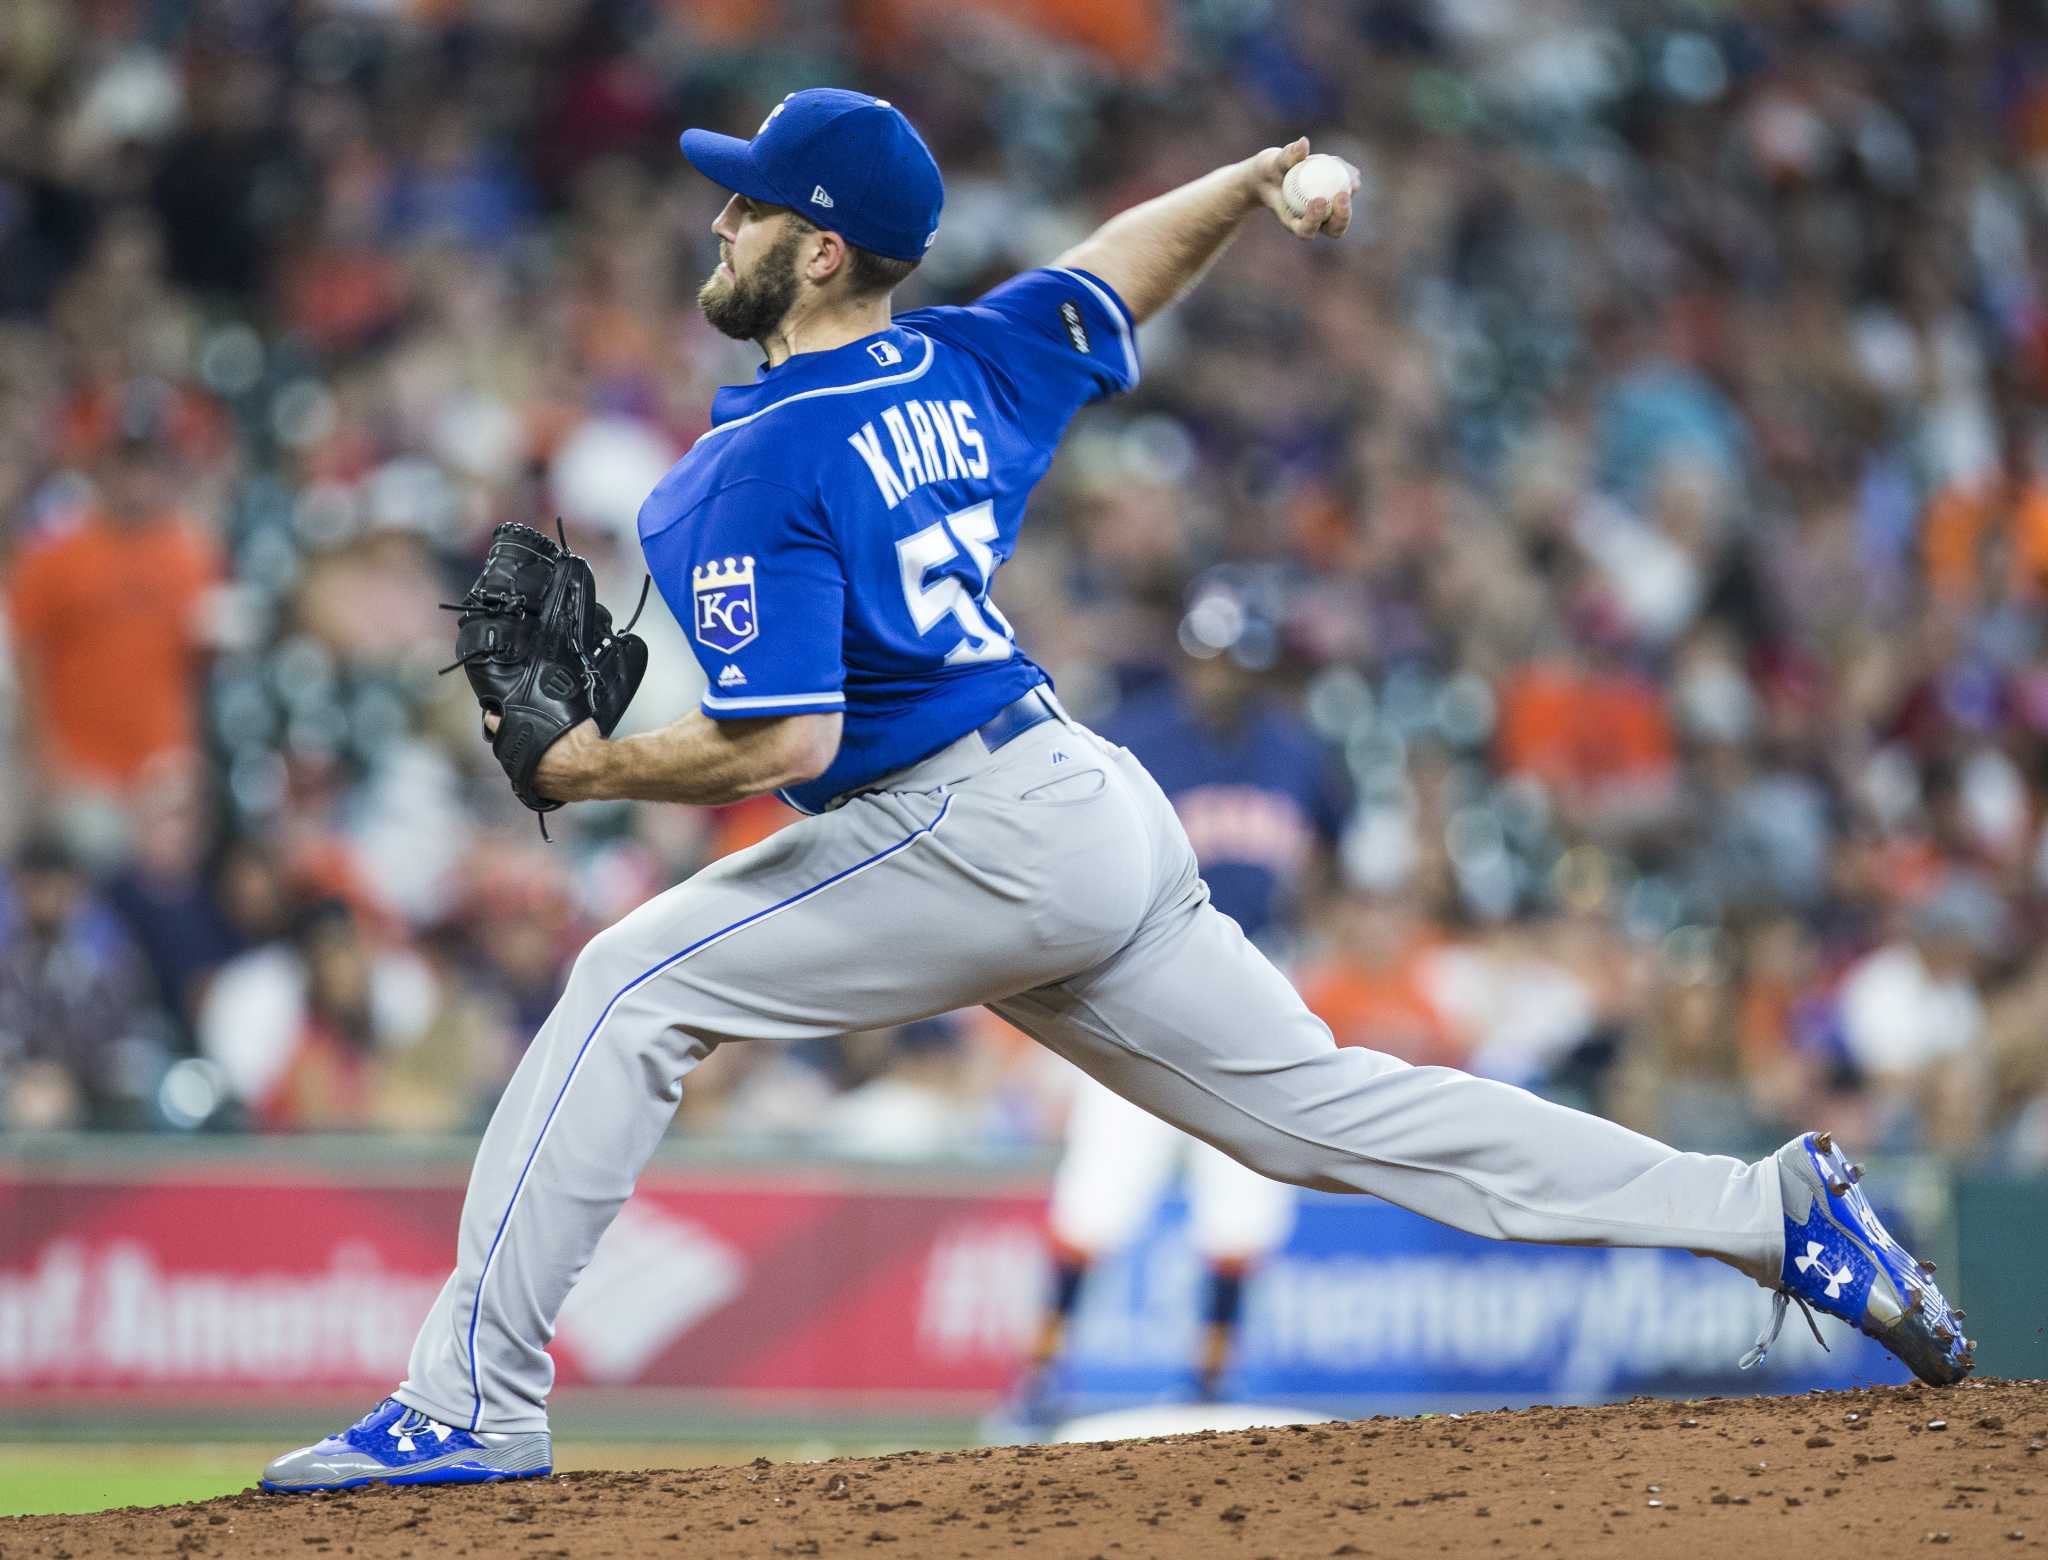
{"x":1263,"y":809}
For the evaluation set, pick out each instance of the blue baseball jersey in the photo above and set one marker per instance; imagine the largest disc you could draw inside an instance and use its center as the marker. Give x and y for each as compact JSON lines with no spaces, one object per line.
{"x":831,"y":541}
{"x":1255,"y":799}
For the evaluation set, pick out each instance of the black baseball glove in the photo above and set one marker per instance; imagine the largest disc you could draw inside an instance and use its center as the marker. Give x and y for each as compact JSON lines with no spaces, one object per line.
{"x":540,"y":652}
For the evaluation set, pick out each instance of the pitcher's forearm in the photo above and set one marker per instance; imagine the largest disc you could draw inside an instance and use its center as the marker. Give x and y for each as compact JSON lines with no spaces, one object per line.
{"x":695,"y":760}
{"x":1156,"y":251}
{"x":691,"y":760}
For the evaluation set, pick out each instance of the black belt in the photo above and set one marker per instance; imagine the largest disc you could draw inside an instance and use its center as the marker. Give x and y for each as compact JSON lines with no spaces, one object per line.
{"x":1013,"y":720}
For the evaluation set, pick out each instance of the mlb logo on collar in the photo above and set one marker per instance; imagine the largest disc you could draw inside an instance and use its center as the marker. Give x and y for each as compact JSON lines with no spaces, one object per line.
{"x":724,"y":595}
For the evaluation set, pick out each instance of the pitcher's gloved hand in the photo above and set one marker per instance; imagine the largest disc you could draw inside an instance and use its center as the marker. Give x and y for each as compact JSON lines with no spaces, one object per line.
{"x":541,"y":653}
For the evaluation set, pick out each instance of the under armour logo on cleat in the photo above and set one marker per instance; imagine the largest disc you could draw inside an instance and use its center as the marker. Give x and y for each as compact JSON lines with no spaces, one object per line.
{"x":1812,"y":1259}
{"x":819,"y":197}
{"x":405,"y":1429}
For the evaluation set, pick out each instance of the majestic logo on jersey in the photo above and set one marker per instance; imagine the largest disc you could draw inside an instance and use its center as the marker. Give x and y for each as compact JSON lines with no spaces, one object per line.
{"x":732,"y":677}
{"x":727,"y":617}
{"x":1077,"y":333}
{"x":819,"y":197}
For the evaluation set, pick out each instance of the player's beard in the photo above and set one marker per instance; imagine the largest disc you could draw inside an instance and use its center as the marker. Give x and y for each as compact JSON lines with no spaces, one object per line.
{"x":750,"y":309}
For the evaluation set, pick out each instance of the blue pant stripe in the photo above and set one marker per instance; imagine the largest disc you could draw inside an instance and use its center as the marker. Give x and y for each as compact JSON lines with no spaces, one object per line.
{"x":476,"y":1306}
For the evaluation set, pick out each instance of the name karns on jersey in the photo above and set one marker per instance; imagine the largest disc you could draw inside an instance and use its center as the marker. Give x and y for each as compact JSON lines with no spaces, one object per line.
{"x":931,"y":441}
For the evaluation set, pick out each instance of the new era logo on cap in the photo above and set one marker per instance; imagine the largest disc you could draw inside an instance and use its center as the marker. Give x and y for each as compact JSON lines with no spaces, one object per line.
{"x":820,"y":198}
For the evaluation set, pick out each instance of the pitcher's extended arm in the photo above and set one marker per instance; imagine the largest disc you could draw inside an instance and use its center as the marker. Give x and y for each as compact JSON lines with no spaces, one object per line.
{"x":1156,"y":251}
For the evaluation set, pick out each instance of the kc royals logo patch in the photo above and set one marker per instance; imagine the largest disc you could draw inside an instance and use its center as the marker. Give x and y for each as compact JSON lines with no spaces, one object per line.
{"x":727,"y":616}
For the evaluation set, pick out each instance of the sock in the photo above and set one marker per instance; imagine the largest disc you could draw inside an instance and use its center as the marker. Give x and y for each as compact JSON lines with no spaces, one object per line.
{"x":1070,"y":1271}
{"x":1225,"y":1305}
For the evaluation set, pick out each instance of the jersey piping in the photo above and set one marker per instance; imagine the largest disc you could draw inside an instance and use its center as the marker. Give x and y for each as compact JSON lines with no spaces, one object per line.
{"x":885,"y":380}
{"x":716,"y":701}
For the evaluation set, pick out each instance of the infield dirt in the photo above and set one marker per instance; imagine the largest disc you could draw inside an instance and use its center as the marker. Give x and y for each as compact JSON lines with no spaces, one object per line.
{"x":1878,"y":1472}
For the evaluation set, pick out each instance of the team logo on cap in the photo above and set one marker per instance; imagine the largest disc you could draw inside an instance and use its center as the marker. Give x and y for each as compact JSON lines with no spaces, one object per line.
{"x":727,"y":616}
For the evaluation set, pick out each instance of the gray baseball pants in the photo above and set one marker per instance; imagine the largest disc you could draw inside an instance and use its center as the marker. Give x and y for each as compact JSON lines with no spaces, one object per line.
{"x":1051,"y":881}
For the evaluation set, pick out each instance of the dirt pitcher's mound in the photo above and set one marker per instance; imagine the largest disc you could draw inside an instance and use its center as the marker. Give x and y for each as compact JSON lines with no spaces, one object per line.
{"x":1878,"y":1472}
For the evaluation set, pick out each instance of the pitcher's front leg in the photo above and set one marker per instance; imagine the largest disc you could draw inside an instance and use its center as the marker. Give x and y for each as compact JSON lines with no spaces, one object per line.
{"x":582,"y":1115}
{"x":763,"y":945}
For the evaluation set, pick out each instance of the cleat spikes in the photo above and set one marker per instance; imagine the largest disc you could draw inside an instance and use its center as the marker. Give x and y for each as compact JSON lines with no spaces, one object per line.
{"x":1840,"y":1260}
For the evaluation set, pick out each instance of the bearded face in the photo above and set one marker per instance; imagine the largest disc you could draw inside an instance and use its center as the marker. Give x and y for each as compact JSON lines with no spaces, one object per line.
{"x":748,"y":307}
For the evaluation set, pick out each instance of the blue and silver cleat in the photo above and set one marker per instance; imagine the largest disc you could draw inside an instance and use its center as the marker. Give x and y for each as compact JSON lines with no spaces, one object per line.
{"x":393,"y":1444}
{"x":1840,"y":1259}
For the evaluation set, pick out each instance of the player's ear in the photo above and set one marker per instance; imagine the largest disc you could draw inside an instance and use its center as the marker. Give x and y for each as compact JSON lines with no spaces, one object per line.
{"x":829,"y":257}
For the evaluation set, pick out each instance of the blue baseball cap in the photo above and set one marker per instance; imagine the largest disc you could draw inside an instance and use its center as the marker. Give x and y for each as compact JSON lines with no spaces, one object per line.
{"x":846,"y":161}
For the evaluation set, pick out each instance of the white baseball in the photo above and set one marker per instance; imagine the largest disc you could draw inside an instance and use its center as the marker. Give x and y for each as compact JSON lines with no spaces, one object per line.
{"x":1316,"y":176}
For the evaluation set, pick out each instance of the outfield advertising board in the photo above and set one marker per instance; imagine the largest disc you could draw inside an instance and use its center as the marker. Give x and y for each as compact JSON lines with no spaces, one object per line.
{"x":838,"y":1288}
{"x":1369,"y":1304}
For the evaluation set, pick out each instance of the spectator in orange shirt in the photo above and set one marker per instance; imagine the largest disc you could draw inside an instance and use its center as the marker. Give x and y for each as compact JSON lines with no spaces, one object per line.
{"x":1597,"y":735}
{"x":106,"y":624}
{"x":1369,"y":988}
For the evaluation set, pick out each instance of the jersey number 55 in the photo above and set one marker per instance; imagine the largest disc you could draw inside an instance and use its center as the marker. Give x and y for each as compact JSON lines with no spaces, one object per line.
{"x":934,"y":547}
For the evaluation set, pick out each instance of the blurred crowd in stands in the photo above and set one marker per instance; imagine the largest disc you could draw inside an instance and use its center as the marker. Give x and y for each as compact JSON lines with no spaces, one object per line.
{"x":1646,"y":507}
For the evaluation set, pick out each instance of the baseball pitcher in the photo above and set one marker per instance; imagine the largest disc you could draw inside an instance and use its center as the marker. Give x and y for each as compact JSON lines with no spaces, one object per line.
{"x":831,"y":542}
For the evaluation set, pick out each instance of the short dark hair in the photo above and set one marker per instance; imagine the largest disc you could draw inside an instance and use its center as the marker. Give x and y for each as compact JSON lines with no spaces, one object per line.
{"x":867,"y":273}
